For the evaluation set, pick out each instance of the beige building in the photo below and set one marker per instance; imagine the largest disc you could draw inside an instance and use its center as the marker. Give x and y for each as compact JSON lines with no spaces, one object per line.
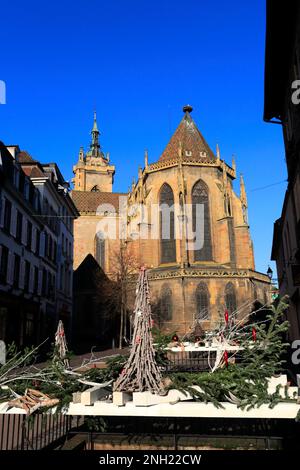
{"x":183,"y":220}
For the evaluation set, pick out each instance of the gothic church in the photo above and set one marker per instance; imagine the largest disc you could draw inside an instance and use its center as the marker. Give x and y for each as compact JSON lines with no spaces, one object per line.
{"x":187,"y":285}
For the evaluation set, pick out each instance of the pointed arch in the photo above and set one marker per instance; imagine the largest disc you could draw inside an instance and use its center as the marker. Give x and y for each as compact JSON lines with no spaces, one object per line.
{"x":167,"y":225}
{"x":100,"y":249}
{"x":202,"y":302}
{"x":200,"y":196}
{"x":230,"y":298}
{"x":165,"y":304}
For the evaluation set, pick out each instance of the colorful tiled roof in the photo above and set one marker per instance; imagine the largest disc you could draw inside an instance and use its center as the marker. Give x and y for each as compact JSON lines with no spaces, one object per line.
{"x":188,"y":136}
{"x":89,"y":201}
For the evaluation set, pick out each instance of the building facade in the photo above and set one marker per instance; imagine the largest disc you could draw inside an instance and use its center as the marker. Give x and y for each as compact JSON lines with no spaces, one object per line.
{"x":36,"y":272}
{"x":282,"y":83}
{"x":20,"y":254}
{"x":189,"y":282}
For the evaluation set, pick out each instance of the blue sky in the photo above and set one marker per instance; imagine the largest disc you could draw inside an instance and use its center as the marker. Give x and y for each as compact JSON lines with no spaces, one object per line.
{"x":138,"y":63}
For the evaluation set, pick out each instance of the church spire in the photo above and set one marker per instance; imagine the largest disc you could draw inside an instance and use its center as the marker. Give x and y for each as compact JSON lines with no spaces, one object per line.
{"x":95,"y":145}
{"x":243,"y":195}
{"x":243,"y":198}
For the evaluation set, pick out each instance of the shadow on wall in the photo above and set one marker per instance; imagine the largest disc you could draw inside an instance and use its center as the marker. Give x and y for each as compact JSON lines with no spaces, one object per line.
{"x":95,"y":312}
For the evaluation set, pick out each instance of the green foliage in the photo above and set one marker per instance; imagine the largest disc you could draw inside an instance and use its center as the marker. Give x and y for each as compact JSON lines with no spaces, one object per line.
{"x":161,"y":342}
{"x":244,"y":383}
{"x":96,"y":424}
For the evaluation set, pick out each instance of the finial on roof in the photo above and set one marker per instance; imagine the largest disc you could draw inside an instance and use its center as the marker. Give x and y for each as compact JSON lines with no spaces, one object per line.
{"x":233,"y":165}
{"x":146,"y":158}
{"x":95,"y":145}
{"x":243,"y":195}
{"x":95,"y":127}
{"x":187,"y":108}
{"x":218,"y":152}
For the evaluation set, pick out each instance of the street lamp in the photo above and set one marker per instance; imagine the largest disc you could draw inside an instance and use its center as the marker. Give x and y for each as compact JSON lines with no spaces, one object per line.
{"x":270,"y":273}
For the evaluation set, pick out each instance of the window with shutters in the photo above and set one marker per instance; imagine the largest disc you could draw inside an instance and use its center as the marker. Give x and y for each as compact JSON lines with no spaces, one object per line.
{"x":100,"y":249}
{"x":29,"y":235}
{"x":202,"y":302}
{"x":36,"y":280}
{"x":167,"y":225}
{"x":200,"y":206}
{"x":19,"y":226}
{"x":17,"y":265}
{"x":165,"y":304}
{"x":230,"y":298}
{"x":27,"y":276}
{"x":7,"y":215}
{"x":3,"y":264}
{"x":37,"y":242}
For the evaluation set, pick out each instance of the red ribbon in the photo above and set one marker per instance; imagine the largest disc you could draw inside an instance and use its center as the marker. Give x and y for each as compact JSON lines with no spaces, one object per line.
{"x":226,"y":358}
{"x":226,"y":316}
{"x":254,"y":334}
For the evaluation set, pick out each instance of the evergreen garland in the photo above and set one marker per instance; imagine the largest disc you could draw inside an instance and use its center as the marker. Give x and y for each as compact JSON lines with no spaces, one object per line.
{"x":244,"y":383}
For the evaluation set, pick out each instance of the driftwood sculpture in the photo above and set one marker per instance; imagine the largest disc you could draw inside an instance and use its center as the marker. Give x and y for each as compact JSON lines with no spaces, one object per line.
{"x":141,"y":372}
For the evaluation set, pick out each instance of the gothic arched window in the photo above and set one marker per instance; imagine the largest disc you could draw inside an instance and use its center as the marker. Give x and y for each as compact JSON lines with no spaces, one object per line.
{"x":201,"y":225}
{"x":100,"y":249}
{"x":202,"y":302}
{"x":167,"y":225}
{"x":165,"y":304}
{"x":230,"y":298}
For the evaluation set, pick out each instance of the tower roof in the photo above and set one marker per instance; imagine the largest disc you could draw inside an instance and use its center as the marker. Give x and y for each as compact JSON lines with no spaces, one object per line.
{"x":95,"y":127}
{"x":189,"y":138}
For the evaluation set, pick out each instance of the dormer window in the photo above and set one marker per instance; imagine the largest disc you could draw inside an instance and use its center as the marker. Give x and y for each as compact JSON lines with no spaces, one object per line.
{"x":188,"y":153}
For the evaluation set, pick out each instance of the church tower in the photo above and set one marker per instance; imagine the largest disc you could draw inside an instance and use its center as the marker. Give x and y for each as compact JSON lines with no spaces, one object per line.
{"x":93,"y":171}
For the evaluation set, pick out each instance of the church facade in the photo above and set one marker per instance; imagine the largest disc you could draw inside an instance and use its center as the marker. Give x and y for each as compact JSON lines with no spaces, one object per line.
{"x":181,"y":219}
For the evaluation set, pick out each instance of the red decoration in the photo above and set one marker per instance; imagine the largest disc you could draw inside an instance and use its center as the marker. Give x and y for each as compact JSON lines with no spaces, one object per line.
{"x":226,"y":316}
{"x":226,"y":358}
{"x":254,"y":334}
{"x":137,"y":340}
{"x":175,"y":338}
{"x":123,"y":371}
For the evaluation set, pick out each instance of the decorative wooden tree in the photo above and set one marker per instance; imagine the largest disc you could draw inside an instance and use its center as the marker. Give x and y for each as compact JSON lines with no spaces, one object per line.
{"x":61,"y":344}
{"x":141,"y":372}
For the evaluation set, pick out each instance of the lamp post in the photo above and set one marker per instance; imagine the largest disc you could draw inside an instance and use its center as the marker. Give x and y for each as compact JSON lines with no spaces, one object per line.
{"x":270,"y":273}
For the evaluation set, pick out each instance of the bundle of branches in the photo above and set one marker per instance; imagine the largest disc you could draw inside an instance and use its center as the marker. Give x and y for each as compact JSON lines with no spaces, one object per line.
{"x":54,"y":382}
{"x":32,"y":400}
{"x":244,"y":383}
